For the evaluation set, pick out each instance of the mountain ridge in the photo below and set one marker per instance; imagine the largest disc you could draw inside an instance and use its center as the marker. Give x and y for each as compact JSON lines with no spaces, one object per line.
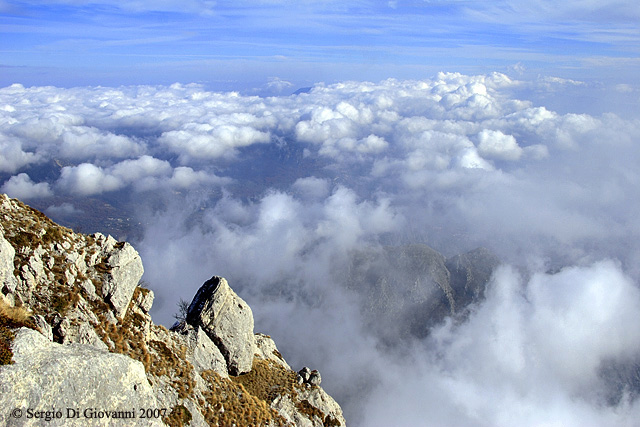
{"x":86,"y":325}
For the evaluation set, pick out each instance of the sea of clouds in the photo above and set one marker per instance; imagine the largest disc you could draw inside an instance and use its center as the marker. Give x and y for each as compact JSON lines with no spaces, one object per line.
{"x":276,"y":193}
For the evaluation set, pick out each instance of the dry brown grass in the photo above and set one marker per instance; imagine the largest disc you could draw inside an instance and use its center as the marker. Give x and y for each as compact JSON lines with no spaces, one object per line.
{"x":11,"y":318}
{"x":159,"y":360}
{"x":267,"y":380}
{"x":178,"y":417}
{"x":14,"y":314}
{"x":33,"y":228}
{"x":229,"y":402}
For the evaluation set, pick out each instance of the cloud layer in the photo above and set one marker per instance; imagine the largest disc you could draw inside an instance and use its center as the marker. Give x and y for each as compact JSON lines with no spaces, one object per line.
{"x":277,"y":193}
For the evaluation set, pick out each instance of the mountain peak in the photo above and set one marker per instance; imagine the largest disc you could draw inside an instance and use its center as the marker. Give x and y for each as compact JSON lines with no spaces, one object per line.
{"x":86,"y":341}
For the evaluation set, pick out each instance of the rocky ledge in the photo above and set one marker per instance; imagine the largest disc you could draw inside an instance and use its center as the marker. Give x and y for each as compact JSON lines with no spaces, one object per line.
{"x":78,"y":346}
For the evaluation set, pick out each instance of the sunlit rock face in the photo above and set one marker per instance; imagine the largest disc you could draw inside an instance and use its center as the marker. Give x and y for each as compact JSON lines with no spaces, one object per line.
{"x":75,"y":332}
{"x":49,"y":375}
{"x":227,"y":320}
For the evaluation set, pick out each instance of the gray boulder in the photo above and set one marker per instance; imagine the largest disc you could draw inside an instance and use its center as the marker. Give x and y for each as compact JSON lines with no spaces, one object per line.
{"x":287,"y":409}
{"x":303,"y":375}
{"x":125,"y":271}
{"x":52,"y":377}
{"x":318,"y":398}
{"x":227,"y":319}
{"x":307,"y":376}
{"x":203,"y":353}
{"x":315,"y":378}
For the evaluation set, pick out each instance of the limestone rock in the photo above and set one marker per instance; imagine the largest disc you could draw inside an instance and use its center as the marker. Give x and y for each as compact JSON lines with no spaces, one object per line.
{"x":81,"y":333}
{"x":319,"y":408}
{"x":145,"y":300}
{"x":43,"y":326}
{"x":203,"y":353}
{"x":89,"y":288}
{"x":47,"y":375}
{"x":315,"y":378}
{"x":7,"y":253}
{"x":287,"y":410}
{"x":83,"y":294}
{"x":125,"y":271}
{"x":228,"y":321}
{"x":306,"y":375}
{"x":266,"y":349}
{"x":206,"y":355}
{"x":318,"y":398}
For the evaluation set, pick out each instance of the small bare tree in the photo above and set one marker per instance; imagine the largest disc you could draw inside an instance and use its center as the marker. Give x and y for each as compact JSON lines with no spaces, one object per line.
{"x":183,"y":307}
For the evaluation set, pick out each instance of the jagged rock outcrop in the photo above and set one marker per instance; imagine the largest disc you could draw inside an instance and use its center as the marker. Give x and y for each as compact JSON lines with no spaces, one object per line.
{"x":124,"y":272}
{"x":91,"y":343}
{"x":227,"y":320}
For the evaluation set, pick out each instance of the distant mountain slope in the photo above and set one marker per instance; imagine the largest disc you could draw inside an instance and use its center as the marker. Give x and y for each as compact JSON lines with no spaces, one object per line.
{"x":407,"y":289}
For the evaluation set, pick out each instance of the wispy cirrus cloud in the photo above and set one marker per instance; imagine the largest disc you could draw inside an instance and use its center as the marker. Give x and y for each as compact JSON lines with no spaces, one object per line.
{"x":321,"y":40}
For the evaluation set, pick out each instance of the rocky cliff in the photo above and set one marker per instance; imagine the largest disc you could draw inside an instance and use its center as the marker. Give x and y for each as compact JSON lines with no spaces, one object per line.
{"x":408,"y":289}
{"x":78,"y":346}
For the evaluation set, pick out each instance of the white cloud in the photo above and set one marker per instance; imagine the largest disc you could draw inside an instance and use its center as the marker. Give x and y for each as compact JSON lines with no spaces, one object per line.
{"x":493,"y":144}
{"x":589,"y":10}
{"x":82,"y":142}
{"x":278,"y":85}
{"x":455,"y":162}
{"x":536,"y":151}
{"x":624,"y":88}
{"x":63,"y":210}
{"x":311,"y":187}
{"x":144,"y":173}
{"x":136,"y":169}
{"x":535,"y":347}
{"x":22,"y":187}
{"x":204,"y":7}
{"x":186,"y":178}
{"x":87,"y":179}
{"x":203,"y":141}
{"x":12,"y":157}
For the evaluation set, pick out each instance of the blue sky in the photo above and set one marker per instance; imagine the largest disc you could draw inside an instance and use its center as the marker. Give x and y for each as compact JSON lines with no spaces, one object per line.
{"x":242,"y":44}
